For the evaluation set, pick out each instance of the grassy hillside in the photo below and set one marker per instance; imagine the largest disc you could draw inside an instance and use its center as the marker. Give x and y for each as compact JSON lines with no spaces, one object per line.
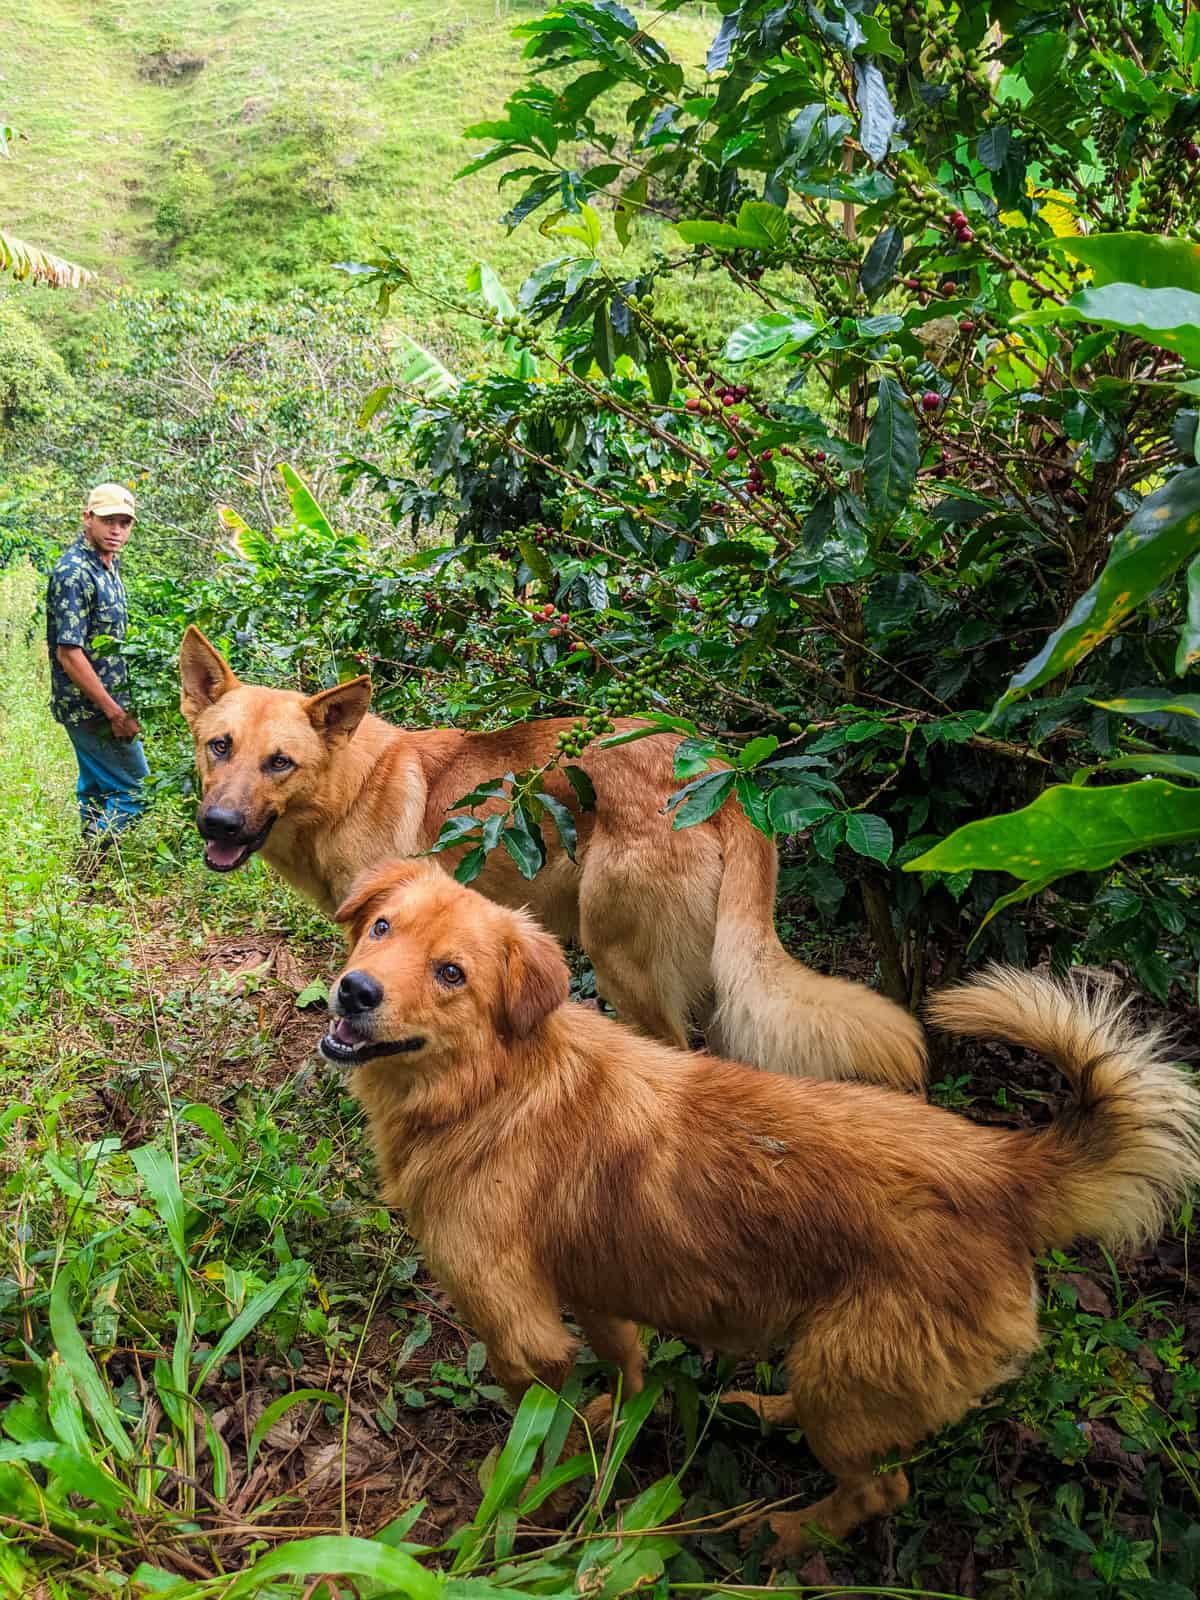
{"x":246,"y":143}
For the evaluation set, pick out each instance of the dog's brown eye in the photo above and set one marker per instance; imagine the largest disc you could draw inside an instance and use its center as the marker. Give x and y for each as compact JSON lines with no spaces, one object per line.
{"x":451,"y":976}
{"x":280,"y":763}
{"x":221,"y":746}
{"x":379,"y":927}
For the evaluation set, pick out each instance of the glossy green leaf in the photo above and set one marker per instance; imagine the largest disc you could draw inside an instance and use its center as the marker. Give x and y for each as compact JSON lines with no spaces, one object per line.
{"x":795,"y":806}
{"x":209,"y":1122}
{"x":718,"y":235}
{"x":585,"y":791}
{"x":1149,"y":260}
{"x":660,"y":375}
{"x":515,"y":1464}
{"x":767,"y":334}
{"x":697,"y":801}
{"x":892,"y":452}
{"x":993,"y":147}
{"x":471,"y":865}
{"x":524,"y":844}
{"x":422,"y":370}
{"x":75,"y":1472}
{"x":634,"y":1412}
{"x":563,"y":821}
{"x":692,"y":757}
{"x":760,"y":226}
{"x":630,"y":206}
{"x":757,"y":751}
{"x":881,"y":260}
{"x":653,"y":722}
{"x":63,"y":1406}
{"x":1162,"y":534}
{"x":869,"y":835}
{"x":158,"y":1173}
{"x":378,"y":397}
{"x":1070,"y":829}
{"x":753,"y":802}
{"x":1169,"y":318}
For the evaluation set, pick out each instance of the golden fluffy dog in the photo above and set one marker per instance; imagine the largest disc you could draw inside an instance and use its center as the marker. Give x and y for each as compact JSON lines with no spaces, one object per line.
{"x":678,"y":923}
{"x":546,"y":1156}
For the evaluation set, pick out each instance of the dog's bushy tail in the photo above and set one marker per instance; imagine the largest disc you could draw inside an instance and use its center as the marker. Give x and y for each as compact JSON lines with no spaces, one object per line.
{"x":773,"y":1011}
{"x":1118,"y":1162}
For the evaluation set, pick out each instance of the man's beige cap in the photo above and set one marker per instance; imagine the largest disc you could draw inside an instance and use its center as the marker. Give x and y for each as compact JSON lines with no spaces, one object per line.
{"x":111,"y":500}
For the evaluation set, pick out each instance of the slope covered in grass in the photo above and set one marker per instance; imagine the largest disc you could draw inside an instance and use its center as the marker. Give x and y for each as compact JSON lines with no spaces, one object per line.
{"x":244,"y":144}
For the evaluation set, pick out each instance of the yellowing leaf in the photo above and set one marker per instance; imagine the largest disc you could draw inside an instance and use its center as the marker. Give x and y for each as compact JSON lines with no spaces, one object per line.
{"x":1057,"y":211}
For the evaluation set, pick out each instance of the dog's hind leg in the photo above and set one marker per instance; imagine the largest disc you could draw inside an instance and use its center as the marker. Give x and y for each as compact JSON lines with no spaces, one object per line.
{"x":645,"y":921}
{"x":773,"y":1409}
{"x":848,"y":1439}
{"x":615,"y":1341}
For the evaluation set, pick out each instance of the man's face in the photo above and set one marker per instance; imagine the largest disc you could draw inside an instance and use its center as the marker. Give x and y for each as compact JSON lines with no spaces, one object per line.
{"x":108,"y":535}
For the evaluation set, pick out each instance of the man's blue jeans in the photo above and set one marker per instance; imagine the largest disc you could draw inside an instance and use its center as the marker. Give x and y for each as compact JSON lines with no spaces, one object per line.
{"x":110,"y":778}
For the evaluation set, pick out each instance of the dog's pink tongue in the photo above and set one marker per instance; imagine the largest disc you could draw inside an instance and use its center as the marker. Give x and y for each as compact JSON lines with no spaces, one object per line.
{"x":222,"y":855}
{"x":344,"y":1032}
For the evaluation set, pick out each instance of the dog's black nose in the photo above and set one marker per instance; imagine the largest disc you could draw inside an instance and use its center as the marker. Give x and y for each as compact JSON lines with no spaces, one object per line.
{"x":221,"y":825}
{"x":358,"y":992}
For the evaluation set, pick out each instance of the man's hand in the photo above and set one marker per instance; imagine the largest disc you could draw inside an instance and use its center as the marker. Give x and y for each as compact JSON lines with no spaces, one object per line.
{"x":80,"y":670}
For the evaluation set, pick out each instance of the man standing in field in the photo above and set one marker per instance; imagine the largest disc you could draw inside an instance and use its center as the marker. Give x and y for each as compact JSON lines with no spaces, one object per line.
{"x":86,"y":599}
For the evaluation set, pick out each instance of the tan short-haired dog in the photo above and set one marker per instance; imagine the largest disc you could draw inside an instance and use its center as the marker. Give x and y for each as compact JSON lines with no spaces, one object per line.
{"x":546,"y":1156}
{"x":679,"y":923}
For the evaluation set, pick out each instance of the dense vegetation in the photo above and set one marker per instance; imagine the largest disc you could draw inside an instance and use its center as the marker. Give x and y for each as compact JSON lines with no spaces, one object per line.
{"x":828,"y":396}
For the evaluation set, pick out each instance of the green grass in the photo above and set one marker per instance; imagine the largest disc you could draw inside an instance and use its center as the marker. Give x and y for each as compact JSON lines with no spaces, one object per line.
{"x":313,"y":131}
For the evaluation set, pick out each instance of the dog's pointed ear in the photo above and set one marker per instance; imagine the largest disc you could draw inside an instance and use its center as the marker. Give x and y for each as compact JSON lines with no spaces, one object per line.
{"x":368,"y":887}
{"x":204,"y":675}
{"x":537,"y":981}
{"x":335,"y":713}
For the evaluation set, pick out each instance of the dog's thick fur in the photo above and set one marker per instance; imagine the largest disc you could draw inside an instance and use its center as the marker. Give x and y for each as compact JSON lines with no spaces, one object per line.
{"x":678,"y":923}
{"x":546,"y":1156}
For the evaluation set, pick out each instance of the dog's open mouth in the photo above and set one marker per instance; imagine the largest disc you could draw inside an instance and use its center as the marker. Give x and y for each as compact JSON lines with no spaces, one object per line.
{"x":223,"y":856}
{"x":347,"y":1047}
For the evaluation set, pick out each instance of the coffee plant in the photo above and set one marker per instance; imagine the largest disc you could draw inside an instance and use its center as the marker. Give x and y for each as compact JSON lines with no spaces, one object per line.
{"x":918,"y":527}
